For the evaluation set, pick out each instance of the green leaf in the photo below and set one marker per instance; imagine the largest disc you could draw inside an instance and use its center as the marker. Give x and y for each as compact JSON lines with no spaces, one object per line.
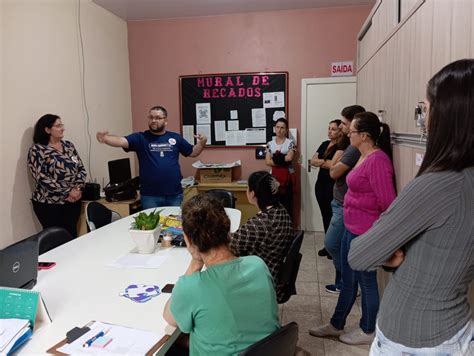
{"x":144,"y":221}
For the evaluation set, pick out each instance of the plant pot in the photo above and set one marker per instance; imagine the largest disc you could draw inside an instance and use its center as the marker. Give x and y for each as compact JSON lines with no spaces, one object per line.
{"x":146,"y":240}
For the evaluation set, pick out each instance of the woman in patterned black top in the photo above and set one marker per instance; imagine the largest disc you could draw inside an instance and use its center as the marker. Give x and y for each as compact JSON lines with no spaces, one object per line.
{"x":269,"y":233}
{"x":59,"y":175}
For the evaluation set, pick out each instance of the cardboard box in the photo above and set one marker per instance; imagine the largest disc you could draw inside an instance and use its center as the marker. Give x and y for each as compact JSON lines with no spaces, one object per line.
{"x":215,"y":175}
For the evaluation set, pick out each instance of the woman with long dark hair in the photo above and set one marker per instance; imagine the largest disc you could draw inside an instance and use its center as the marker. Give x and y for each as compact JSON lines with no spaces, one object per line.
{"x":370,"y":192}
{"x":323,"y":188}
{"x":269,"y":233}
{"x":59,"y":174}
{"x":427,"y":235}
{"x":279,"y":156}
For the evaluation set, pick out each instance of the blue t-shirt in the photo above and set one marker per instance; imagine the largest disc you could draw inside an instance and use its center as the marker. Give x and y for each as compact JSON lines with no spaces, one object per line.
{"x":158,"y":157}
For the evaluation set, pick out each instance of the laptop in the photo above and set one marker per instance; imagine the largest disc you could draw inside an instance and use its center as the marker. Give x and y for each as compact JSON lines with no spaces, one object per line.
{"x":19,"y":264}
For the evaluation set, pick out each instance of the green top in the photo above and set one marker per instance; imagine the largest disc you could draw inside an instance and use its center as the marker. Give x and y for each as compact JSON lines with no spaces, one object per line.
{"x":227,"y":307}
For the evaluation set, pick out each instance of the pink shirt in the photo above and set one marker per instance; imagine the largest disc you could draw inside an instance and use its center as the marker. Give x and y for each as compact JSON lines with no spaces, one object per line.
{"x":370,"y":193}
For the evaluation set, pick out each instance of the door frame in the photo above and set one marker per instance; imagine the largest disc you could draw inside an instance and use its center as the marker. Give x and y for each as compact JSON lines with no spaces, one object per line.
{"x":305,"y":83}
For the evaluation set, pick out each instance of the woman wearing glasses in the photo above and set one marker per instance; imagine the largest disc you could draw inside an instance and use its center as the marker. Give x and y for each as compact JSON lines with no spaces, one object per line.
{"x":59,"y":175}
{"x":371,"y":191}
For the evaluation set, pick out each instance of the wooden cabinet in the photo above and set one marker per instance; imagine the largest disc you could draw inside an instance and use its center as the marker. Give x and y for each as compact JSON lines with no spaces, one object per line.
{"x":396,"y":62}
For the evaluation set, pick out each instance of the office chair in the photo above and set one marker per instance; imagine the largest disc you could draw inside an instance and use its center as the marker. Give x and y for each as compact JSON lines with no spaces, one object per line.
{"x":289,"y":269}
{"x":280,"y":343}
{"x":50,"y":238}
{"x":97,"y":215}
{"x":226,"y":197}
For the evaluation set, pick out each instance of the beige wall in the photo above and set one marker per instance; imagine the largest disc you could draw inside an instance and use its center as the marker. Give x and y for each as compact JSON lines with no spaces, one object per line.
{"x":40,"y":66}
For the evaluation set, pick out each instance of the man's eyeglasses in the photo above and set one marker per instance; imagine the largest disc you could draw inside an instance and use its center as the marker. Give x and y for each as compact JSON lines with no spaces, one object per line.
{"x":155,"y":118}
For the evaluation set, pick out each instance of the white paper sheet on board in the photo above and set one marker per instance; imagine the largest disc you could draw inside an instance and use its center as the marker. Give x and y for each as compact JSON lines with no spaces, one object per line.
{"x":219,"y":130}
{"x":188,"y":133}
{"x":256,"y":135}
{"x":234,"y":114}
{"x":259,"y":118}
{"x":235,"y":138}
{"x":232,"y":125}
{"x":274,"y":100}
{"x":204,"y":130}
{"x":203,"y":113}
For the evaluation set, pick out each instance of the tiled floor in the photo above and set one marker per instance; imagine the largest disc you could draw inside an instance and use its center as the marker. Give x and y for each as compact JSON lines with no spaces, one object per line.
{"x":314,"y":306}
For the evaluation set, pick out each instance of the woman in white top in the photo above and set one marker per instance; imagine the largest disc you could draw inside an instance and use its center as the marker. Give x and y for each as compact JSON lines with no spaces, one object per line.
{"x":280,"y":153}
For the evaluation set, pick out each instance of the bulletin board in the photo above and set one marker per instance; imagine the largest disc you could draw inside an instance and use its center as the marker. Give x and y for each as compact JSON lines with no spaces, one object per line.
{"x":233,"y":110}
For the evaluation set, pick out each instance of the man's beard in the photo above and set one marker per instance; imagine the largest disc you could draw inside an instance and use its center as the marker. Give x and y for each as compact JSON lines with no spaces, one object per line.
{"x":158,"y":129}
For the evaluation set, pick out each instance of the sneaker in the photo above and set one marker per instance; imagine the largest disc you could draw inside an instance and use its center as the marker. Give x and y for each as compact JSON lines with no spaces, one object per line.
{"x":357,"y":337}
{"x":332,"y":288}
{"x":323,"y":252}
{"x":325,"y":330}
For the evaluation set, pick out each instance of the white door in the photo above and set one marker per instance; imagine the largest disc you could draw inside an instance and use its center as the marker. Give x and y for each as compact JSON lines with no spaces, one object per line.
{"x":322,"y":100}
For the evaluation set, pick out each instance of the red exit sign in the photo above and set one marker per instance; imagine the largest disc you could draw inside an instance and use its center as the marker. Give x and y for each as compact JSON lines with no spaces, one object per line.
{"x":342,"y":69}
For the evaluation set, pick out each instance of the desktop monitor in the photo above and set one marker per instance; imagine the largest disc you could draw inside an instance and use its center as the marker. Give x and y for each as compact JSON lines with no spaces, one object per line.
{"x":19,"y":264}
{"x":119,"y":171}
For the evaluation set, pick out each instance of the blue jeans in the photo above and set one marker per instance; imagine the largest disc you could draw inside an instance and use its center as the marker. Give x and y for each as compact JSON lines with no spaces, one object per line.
{"x":333,"y":237}
{"x":350,"y":280}
{"x":148,"y":201}
{"x":460,"y":344}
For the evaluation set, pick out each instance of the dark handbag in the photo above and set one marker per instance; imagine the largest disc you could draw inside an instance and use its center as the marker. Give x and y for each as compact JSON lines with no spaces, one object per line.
{"x":121,"y":191}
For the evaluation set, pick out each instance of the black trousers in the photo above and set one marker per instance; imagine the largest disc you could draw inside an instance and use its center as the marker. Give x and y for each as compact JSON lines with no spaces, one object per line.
{"x":62,"y":215}
{"x":324,"y":196}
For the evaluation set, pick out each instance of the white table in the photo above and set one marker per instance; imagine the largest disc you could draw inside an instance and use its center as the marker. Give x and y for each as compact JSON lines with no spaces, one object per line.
{"x":80,"y":288}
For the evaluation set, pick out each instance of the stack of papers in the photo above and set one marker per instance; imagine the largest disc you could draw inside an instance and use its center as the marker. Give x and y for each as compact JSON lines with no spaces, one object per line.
{"x":13,"y":333}
{"x":200,"y":165}
{"x":120,"y":341}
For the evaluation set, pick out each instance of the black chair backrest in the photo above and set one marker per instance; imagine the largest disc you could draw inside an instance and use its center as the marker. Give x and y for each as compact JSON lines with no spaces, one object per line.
{"x":98,"y":214}
{"x":289,"y":269}
{"x":226,"y":197}
{"x":52,"y":237}
{"x":281,"y":343}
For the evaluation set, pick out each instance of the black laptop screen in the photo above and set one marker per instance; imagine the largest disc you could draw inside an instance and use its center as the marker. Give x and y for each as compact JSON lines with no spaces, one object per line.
{"x":119,"y":170}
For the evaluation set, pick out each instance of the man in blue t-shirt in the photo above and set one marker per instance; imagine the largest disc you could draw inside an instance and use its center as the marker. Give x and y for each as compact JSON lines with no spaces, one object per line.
{"x":158,"y":155}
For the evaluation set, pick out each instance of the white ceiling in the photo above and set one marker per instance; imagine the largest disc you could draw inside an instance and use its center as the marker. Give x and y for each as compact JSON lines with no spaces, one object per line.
{"x":133,"y":10}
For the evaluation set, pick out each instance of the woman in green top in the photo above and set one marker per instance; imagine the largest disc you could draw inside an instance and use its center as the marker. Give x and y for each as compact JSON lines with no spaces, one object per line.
{"x":232,"y":304}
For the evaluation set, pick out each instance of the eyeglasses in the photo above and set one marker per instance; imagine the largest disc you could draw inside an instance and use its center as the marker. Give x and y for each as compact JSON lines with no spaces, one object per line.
{"x":155,"y":118}
{"x":353,"y":131}
{"x":59,"y":126}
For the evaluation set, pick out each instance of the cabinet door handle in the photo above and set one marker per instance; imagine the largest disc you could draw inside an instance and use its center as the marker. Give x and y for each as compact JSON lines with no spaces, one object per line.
{"x":309,"y":166}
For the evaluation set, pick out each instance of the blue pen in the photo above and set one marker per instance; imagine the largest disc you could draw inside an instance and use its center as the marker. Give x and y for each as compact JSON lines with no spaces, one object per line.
{"x":89,"y":342}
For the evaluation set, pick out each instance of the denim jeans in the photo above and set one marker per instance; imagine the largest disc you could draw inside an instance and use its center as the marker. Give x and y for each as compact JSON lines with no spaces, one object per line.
{"x":148,"y":201}
{"x":333,"y":237}
{"x":460,"y":344}
{"x":350,"y":280}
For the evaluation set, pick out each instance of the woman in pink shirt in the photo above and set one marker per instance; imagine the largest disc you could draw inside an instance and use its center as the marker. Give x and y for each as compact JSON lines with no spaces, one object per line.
{"x":371,"y":191}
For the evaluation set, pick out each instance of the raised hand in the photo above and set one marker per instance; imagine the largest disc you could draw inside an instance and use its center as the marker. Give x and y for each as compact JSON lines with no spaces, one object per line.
{"x":202,"y":139}
{"x":101,"y":136}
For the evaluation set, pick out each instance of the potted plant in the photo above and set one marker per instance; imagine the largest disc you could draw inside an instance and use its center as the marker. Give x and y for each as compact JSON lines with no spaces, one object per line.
{"x":145,"y":231}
